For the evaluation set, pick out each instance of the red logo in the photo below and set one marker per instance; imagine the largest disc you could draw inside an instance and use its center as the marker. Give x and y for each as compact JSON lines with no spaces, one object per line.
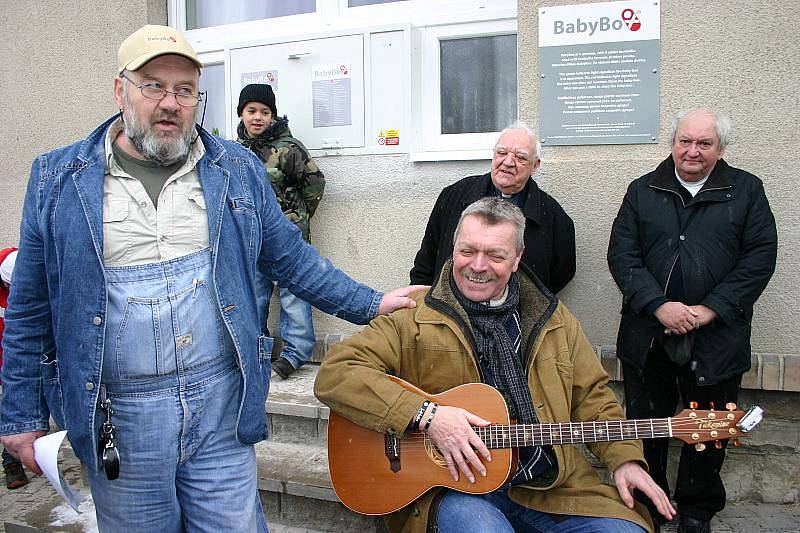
{"x":630,"y":19}
{"x":173,"y":39}
{"x":343,"y":69}
{"x":270,"y":76}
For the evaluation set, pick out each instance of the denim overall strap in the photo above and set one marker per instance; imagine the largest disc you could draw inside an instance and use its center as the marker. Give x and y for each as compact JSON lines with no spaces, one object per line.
{"x":163,"y":323}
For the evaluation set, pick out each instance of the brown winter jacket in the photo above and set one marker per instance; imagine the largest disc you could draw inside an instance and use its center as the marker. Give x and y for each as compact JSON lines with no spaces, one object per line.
{"x":431,"y":346}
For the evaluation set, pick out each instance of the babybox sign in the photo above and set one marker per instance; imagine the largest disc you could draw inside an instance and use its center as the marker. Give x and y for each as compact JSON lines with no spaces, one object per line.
{"x":599,"y":23}
{"x":599,"y":73}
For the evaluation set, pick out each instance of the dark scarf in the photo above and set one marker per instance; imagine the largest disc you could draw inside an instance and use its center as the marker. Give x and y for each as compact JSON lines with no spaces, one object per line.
{"x":501,"y":352}
{"x":490,"y":326}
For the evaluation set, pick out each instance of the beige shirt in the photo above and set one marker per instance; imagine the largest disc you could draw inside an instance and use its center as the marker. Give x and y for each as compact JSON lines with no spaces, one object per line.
{"x":134,"y":232}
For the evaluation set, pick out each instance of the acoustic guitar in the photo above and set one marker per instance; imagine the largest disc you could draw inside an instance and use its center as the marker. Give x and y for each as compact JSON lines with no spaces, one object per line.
{"x":374,"y":473}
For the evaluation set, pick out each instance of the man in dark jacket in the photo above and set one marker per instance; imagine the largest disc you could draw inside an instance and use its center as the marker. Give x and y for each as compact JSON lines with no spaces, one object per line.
{"x":692,"y":248}
{"x":549,"y":231}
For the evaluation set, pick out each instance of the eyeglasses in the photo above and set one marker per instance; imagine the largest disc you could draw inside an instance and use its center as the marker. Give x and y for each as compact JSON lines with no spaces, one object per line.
{"x":154,"y":91}
{"x":701,"y":145}
{"x":519,"y":157}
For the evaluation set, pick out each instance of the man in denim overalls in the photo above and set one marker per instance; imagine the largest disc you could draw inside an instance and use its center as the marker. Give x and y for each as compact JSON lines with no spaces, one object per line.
{"x":146,"y":251}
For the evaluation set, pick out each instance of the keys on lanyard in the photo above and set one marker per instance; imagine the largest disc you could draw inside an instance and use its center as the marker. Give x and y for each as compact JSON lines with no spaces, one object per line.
{"x":108,"y":449}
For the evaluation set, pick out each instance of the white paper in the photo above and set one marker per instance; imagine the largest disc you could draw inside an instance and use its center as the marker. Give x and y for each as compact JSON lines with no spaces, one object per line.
{"x":331,"y":95}
{"x":46,"y":455}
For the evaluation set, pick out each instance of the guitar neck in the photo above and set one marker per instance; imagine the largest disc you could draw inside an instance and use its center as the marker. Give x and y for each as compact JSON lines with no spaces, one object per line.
{"x":514,"y":436}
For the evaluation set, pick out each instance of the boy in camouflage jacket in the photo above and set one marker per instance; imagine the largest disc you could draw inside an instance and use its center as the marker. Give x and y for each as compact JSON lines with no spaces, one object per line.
{"x":298,"y":184}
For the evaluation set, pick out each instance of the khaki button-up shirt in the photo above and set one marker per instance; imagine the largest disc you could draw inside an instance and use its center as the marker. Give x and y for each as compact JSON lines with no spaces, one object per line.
{"x":134,"y":232}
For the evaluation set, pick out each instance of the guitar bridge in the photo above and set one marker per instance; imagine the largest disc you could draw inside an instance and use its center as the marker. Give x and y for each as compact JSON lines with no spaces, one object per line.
{"x":393,"y":452}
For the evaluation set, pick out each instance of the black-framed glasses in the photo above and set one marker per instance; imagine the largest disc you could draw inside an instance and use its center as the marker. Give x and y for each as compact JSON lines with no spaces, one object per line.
{"x":154,"y":91}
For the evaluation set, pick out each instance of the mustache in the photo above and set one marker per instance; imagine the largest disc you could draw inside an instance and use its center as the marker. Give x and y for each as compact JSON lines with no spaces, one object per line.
{"x":167,"y":116}
{"x":477,"y":276}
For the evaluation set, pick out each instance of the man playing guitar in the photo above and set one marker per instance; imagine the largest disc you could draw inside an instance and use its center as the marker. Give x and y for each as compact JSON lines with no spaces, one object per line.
{"x":486,"y":320}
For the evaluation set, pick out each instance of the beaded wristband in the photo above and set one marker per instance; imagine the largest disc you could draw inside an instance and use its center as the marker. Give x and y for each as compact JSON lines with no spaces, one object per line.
{"x":418,"y":416}
{"x":430,"y":418}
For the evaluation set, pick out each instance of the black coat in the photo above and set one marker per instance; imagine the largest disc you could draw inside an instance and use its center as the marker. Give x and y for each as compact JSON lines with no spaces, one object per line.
{"x":727,"y":242}
{"x":549,"y":233}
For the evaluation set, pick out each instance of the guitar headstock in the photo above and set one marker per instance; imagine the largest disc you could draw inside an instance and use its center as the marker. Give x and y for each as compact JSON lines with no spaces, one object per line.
{"x":694,"y":426}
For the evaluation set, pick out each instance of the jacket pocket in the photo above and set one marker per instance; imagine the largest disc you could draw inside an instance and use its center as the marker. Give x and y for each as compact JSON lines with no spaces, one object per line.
{"x":244,"y":218}
{"x":440,"y":367}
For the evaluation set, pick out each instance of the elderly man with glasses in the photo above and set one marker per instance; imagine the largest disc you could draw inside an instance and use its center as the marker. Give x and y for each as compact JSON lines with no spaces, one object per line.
{"x":549,"y":231}
{"x":146,"y":253}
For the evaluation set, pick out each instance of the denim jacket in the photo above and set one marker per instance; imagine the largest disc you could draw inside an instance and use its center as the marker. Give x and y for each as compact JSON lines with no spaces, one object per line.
{"x":53,"y":343}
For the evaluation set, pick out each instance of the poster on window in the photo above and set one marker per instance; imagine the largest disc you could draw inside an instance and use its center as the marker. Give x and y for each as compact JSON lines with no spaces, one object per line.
{"x":599,"y":73}
{"x":331,"y":95}
{"x":270,"y":77}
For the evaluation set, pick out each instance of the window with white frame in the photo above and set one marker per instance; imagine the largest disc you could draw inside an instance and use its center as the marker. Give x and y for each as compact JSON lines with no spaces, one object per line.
{"x":458,"y":62}
{"x":469,"y":87}
{"x":212,"y":82}
{"x":206,"y":13}
{"x":478,"y":83}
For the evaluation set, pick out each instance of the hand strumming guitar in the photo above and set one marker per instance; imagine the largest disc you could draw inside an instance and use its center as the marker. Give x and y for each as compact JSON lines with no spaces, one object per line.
{"x":451,"y":432}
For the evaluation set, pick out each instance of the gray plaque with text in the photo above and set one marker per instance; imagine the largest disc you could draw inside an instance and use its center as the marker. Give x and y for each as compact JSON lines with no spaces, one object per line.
{"x":605,"y":93}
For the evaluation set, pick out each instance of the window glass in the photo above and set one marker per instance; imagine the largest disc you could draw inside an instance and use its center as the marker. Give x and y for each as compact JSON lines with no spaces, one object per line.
{"x":205,"y":13}
{"x":358,"y":3}
{"x":212,"y":82}
{"x":478,"y":83}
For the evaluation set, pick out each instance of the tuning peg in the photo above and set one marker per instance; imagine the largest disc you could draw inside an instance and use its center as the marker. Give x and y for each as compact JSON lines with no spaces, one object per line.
{"x":693,"y":405}
{"x":711,"y":405}
{"x":730,"y":406}
{"x":718,"y":444}
{"x":699,"y":446}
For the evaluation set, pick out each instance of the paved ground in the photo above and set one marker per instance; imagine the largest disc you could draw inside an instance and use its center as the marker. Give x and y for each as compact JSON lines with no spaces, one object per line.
{"x":37,"y":505}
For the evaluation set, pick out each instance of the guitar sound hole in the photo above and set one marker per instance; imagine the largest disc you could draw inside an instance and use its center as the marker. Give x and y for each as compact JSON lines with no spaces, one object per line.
{"x":433,"y":453}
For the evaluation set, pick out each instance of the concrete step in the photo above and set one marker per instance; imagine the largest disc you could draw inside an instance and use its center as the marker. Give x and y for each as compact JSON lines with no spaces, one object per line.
{"x":293,"y":464}
{"x":296,"y":490}
{"x":295,"y":414}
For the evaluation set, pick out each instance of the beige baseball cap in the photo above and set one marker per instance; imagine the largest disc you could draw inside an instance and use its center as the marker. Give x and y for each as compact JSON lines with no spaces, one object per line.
{"x":152,"y":41}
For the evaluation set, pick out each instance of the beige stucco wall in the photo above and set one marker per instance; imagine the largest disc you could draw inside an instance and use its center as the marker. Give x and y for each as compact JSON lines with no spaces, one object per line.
{"x":738,"y":57}
{"x":373,"y":216}
{"x":56,"y":65}
{"x":55,"y":79}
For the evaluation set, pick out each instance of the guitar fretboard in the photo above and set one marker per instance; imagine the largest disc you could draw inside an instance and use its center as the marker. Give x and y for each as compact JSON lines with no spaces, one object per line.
{"x":501,"y":436}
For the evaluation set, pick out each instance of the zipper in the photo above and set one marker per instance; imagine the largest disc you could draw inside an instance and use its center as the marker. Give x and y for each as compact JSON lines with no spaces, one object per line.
{"x":727,"y":187}
{"x":676,"y":193}
{"x":669,"y":275}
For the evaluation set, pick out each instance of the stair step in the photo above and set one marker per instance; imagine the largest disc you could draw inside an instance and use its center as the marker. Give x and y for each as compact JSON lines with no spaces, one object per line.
{"x":296,"y":490}
{"x":295,"y":415}
{"x":293,"y":464}
{"x":292,"y":468}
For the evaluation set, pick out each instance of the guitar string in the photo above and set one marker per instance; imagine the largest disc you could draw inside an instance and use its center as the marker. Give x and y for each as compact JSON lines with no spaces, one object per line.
{"x":624,"y":429}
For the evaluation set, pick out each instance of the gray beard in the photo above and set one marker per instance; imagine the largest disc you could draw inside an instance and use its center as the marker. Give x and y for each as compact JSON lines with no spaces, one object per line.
{"x":162,"y":150}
